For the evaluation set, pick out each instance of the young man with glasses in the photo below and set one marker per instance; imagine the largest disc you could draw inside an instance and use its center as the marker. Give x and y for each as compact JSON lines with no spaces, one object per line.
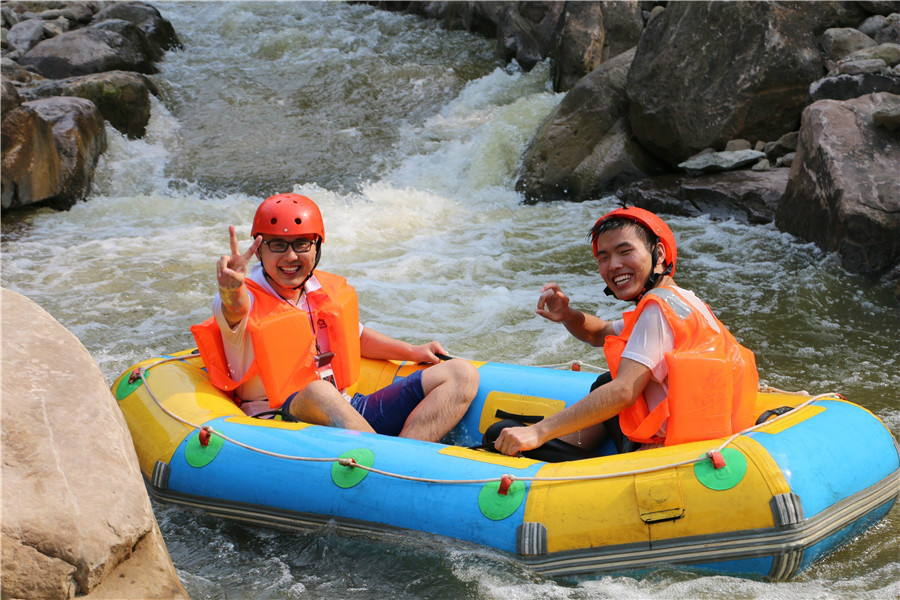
{"x":287,"y":336}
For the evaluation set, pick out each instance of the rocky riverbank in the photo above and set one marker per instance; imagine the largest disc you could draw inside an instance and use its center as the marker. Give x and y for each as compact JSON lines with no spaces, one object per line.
{"x":761,"y":110}
{"x":77,"y":521}
{"x":67,"y":69}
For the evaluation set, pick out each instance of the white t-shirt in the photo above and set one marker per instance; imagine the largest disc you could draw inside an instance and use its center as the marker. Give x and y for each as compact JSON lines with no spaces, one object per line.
{"x":238,"y":345}
{"x":650,"y":339}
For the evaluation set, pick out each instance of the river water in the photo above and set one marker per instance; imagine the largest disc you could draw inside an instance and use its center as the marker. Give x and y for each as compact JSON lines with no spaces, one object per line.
{"x":408,"y":137}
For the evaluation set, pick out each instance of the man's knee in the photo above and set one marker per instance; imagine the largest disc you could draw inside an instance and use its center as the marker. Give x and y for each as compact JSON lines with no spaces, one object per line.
{"x":465,"y":375}
{"x":312,"y":399}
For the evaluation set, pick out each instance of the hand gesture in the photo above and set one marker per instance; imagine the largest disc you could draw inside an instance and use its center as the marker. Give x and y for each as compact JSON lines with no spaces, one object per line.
{"x":231,"y":270}
{"x":553,"y":304}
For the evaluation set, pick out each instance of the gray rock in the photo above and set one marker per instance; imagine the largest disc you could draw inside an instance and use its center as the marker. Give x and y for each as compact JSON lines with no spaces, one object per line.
{"x":889,"y":34}
{"x":122,"y":97}
{"x":25,"y":35}
{"x":843,"y":193}
{"x":861,"y":67}
{"x":721,"y":161}
{"x":785,"y":160}
{"x":839,"y":42}
{"x":750,"y":196}
{"x":873,"y":25}
{"x":889,"y":53}
{"x":74,"y":523}
{"x":762,"y":165}
{"x":844,"y":87}
{"x":687,"y":93}
{"x":888,"y":116}
{"x":783,"y":145}
{"x":584,"y":148}
{"x":88,"y":50}
{"x":147,"y":18}
{"x":623,"y":25}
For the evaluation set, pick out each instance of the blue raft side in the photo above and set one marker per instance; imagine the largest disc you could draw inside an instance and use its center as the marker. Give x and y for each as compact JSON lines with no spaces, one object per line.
{"x":830,"y":457}
{"x":241,"y":475}
{"x":568,"y":386}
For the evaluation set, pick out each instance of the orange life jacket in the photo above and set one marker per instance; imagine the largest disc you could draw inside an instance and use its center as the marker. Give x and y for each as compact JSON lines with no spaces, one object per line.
{"x":712,"y":379}
{"x":284,"y":341}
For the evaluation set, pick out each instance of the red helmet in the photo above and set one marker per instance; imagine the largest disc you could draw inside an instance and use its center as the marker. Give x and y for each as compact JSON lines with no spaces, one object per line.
{"x":651,"y":222}
{"x":288,"y":214}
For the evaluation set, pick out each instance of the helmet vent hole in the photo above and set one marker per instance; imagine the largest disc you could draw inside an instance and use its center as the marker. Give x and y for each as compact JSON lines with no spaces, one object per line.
{"x":298,"y":220}
{"x":273,"y":220}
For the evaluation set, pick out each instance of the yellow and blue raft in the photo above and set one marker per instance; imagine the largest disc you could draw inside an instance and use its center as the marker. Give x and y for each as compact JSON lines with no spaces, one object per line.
{"x":765,"y":502}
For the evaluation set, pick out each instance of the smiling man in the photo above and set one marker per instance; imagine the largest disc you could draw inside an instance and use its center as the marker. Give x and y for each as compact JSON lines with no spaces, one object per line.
{"x":288,"y":336}
{"x":676,"y":373}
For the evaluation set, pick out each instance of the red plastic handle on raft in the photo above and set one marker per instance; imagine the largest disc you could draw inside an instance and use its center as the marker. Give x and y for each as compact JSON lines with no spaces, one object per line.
{"x":505,"y":482}
{"x":204,"y":437}
{"x":718,"y":460}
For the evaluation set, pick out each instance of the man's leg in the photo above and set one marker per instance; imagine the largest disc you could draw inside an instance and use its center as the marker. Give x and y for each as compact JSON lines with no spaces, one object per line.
{"x":449,"y":389}
{"x":321,"y":403}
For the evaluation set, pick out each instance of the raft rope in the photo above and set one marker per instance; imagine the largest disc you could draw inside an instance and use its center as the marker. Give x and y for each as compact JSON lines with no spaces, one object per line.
{"x":505,"y":480}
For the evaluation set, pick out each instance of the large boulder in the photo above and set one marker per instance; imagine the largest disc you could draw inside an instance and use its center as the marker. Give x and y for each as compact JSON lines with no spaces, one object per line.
{"x":80,"y":137}
{"x":106,"y":46}
{"x":147,"y":18}
{"x":708,"y":72}
{"x":579,"y":43}
{"x":30,"y":166}
{"x":585,"y":149}
{"x":75,"y":523}
{"x":844,"y":190}
{"x":623,"y":26}
{"x":122,"y":97}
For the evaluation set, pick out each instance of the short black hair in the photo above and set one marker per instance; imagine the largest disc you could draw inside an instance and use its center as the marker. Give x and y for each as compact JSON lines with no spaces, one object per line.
{"x":616,"y":223}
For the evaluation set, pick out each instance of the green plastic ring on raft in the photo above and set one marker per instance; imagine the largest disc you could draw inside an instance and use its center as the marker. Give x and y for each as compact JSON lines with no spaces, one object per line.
{"x":199,"y":455}
{"x":496,"y":506}
{"x":347,"y":477}
{"x":125,"y":387}
{"x":725,"y":478}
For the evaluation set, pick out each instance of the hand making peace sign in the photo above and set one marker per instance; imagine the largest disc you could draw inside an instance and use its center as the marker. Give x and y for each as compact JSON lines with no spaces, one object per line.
{"x":231,"y":270}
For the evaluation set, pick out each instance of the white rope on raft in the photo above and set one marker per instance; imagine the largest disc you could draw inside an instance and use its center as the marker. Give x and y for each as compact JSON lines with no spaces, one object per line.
{"x":350,"y":462}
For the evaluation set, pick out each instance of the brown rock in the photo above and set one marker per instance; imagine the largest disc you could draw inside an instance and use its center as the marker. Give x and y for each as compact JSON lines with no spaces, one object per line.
{"x":844,"y":193}
{"x":80,"y":136}
{"x":30,"y":161}
{"x":70,"y":518}
{"x":579,"y":43}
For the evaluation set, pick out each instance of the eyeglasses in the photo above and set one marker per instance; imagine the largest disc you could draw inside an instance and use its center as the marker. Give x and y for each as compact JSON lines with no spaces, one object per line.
{"x":300,"y":246}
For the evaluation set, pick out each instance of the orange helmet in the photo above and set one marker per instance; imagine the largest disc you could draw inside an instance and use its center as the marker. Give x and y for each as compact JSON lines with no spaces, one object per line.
{"x":288,"y":214}
{"x":651,"y":222}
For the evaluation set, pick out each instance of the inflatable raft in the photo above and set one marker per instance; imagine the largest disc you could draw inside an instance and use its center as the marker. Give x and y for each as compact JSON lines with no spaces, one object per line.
{"x":766,"y":502}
